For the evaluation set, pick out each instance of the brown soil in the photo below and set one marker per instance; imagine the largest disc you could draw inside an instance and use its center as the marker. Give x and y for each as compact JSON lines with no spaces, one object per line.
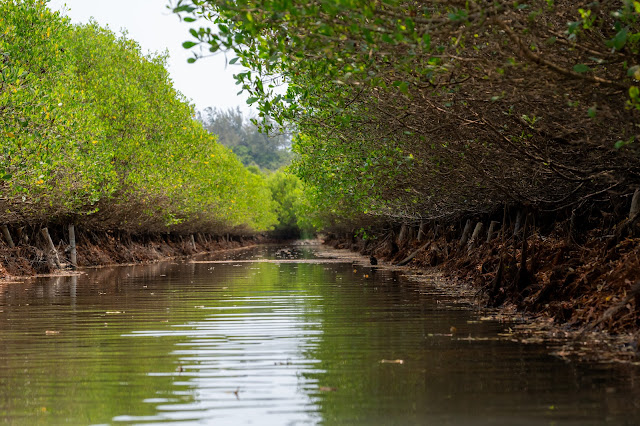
{"x":108,"y":249}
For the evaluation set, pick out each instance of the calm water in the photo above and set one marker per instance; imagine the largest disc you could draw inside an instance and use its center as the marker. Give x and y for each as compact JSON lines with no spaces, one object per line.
{"x":291,"y":343}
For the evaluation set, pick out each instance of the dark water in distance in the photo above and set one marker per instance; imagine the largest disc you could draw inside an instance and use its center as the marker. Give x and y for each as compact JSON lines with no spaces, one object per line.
{"x":279,"y":344}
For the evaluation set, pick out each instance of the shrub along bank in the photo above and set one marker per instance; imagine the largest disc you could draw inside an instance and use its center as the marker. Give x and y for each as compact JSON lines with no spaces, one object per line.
{"x":94,"y":134}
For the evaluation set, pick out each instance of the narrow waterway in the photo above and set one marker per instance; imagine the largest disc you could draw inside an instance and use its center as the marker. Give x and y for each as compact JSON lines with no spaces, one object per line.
{"x":276,"y":336}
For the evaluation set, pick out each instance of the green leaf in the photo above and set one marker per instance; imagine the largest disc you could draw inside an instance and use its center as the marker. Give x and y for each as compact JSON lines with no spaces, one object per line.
{"x":188,"y":19}
{"x":619,"y":40}
{"x":7,"y":176}
{"x":252,"y":100}
{"x":188,"y":44}
{"x":233,"y":61}
{"x":592,"y":112}
{"x":634,"y":72}
{"x":191,"y":60}
{"x":458,"y":15}
{"x":426,"y":39}
{"x":186,"y":8}
{"x":581,"y":68}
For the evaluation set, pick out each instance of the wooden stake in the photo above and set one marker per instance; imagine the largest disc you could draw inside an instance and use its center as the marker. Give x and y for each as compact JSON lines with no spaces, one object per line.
{"x":411,"y":233}
{"x":635,"y":205}
{"x":73,"y":254}
{"x":7,"y":236}
{"x":22,"y":236}
{"x":516,"y":227}
{"x":465,"y":233}
{"x":492,"y":229}
{"x":503,"y":229}
{"x":52,"y":248}
{"x":571,"y":235}
{"x":193,"y":243}
{"x":422,"y":231}
{"x":403,"y":234}
{"x":476,"y":233}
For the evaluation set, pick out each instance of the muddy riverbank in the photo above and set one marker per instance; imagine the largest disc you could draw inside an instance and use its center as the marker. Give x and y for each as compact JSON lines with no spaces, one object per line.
{"x":581,"y":299}
{"x":31,"y":255}
{"x":578,"y":298}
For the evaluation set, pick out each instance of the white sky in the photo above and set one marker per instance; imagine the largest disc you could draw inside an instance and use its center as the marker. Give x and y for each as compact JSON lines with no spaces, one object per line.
{"x":208,"y":82}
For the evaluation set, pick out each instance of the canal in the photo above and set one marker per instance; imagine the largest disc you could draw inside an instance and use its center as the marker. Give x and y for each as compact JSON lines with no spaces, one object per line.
{"x":276,"y":335}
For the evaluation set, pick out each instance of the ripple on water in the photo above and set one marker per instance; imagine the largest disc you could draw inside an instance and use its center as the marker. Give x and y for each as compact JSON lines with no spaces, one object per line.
{"x":279,"y":341}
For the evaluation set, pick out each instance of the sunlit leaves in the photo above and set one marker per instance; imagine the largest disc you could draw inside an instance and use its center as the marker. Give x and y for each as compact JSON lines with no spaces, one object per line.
{"x":92,"y":126}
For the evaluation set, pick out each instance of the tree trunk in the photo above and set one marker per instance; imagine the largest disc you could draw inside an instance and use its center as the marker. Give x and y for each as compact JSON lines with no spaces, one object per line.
{"x":73,"y":255}
{"x":7,"y":236}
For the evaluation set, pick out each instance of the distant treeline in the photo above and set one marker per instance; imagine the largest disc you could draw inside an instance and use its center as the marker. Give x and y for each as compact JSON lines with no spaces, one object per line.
{"x":253,"y":147}
{"x":93,"y":132}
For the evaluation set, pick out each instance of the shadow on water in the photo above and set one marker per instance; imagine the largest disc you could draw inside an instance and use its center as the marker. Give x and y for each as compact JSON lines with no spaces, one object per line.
{"x":273,"y":337}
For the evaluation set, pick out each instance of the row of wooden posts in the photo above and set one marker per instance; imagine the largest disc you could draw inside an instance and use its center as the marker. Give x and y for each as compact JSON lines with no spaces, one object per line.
{"x":472,"y":239}
{"x":468,"y":237}
{"x":52,"y":254}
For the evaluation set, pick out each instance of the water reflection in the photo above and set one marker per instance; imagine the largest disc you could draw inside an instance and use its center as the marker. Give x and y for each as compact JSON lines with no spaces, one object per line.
{"x":278,"y":343}
{"x":248,"y":355}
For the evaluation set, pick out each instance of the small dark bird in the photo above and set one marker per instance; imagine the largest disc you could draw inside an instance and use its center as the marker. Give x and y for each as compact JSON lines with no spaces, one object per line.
{"x":373,"y":260}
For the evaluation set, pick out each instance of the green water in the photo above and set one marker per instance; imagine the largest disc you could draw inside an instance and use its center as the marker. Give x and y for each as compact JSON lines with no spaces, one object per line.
{"x":279,"y":343}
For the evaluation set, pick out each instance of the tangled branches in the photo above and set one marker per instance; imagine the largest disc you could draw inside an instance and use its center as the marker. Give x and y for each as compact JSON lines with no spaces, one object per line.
{"x":432,"y":109}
